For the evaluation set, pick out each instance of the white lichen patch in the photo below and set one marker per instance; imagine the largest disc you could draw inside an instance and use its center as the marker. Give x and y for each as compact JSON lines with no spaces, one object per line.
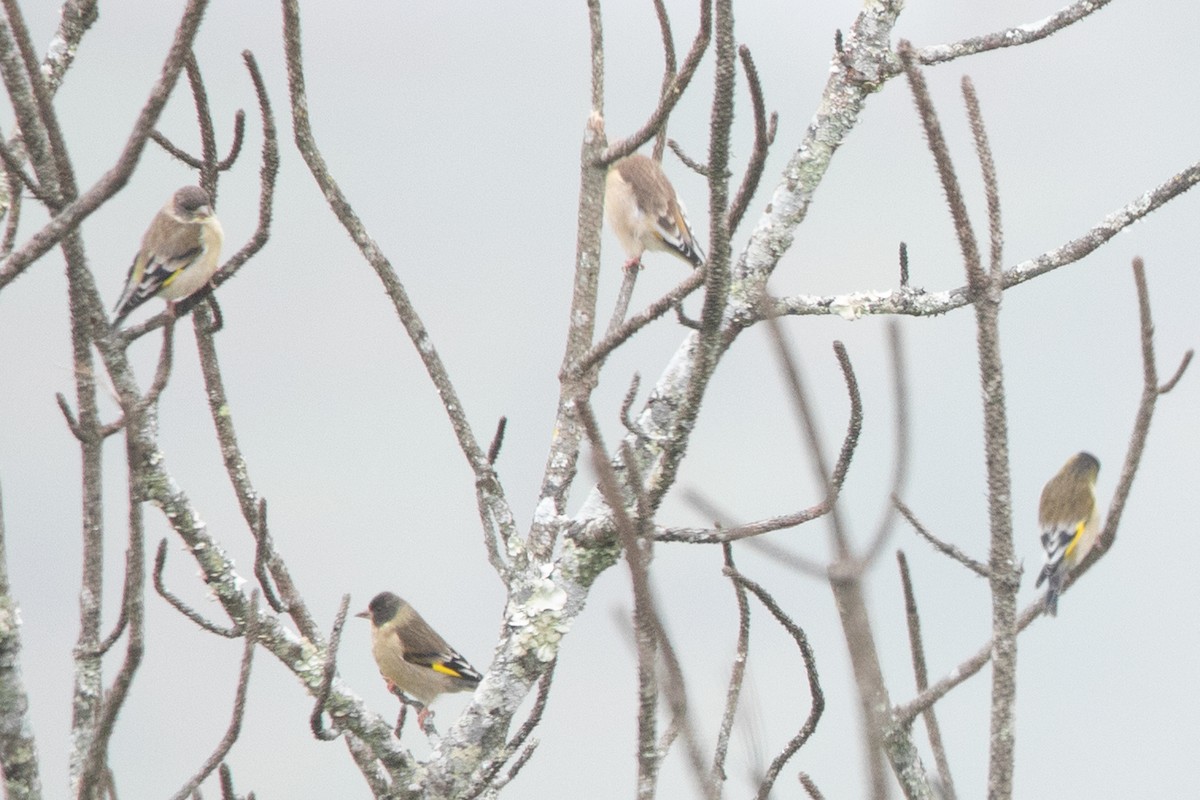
{"x":539,"y":620}
{"x":10,"y":619}
{"x":853,"y":306}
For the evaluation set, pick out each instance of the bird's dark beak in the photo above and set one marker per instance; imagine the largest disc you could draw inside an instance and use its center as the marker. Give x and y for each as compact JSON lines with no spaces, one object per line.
{"x":364,"y":614}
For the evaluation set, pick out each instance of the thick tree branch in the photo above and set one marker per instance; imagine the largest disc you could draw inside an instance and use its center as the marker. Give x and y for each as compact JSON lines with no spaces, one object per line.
{"x":18,"y":748}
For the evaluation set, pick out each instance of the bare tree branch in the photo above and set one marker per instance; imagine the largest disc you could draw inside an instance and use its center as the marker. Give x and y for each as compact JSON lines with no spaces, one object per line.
{"x":86,"y":781}
{"x":253,"y":511}
{"x":670,"y":95}
{"x":495,"y":504}
{"x":810,"y":787}
{"x":75,"y":18}
{"x":1010,"y":37}
{"x":160,"y":561}
{"x":316,"y":719}
{"x":18,"y":748}
{"x":239,"y":709}
{"x":817,"y":706}
{"x":737,"y":674}
{"x":919,"y":303}
{"x":986,"y":291}
{"x":649,"y":630}
{"x":845,"y":575}
{"x":488,"y":778}
{"x":978,"y":568}
{"x":621,"y":333}
{"x":922,"y":677}
{"x":764,"y":134}
{"x":904,"y":714}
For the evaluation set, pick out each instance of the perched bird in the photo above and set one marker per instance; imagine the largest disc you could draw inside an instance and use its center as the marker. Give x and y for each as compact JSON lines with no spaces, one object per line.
{"x":1070,"y":522}
{"x":180,"y":253}
{"x":411,"y":656}
{"x":645,"y":213}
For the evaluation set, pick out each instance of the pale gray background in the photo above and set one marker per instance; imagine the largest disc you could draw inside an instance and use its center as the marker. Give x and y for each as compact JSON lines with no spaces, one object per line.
{"x":455,"y":130}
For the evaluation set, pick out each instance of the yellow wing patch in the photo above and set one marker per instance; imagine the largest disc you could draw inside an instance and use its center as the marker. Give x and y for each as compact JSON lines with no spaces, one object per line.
{"x":1079,"y":526}
{"x":438,"y":666}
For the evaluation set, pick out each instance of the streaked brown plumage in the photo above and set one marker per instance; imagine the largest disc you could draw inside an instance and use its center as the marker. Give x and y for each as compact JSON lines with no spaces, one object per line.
{"x":411,"y":656}
{"x":645,"y":212}
{"x":1070,"y":523}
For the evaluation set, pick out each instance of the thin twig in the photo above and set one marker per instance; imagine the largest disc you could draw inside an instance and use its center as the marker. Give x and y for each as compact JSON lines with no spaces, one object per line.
{"x":737,"y":673}
{"x":1174,"y":379}
{"x":178,"y":153}
{"x":316,"y":719}
{"x":810,"y":787}
{"x":635,"y":323}
{"x":235,"y":147}
{"x":487,"y":779}
{"x":669,"y":68}
{"x":987,"y":166}
{"x":669,"y":97}
{"x":921,"y":673}
{"x":163,"y":371}
{"x":911,"y":302}
{"x":727,"y":533}
{"x":629,"y":278}
{"x":648,"y":619}
{"x":1151,"y":391}
{"x":72,"y":423}
{"x":497,"y":441}
{"x":160,"y":560}
{"x":239,"y":706}
{"x":977,"y":567}
{"x":204,"y":121}
{"x":689,"y":162}
{"x":491,"y":491}
{"x":249,"y":500}
{"x":133,"y":607}
{"x":1010,"y":37}
{"x":627,"y":404}
{"x":762,"y":142}
{"x":263,"y":554}
{"x":817,"y":706}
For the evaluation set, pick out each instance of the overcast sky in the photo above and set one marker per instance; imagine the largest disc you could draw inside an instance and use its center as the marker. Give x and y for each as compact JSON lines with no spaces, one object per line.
{"x":454,"y":128}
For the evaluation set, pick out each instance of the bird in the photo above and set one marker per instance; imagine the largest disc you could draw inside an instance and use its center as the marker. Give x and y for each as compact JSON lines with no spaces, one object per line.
{"x":645,"y":212}
{"x":179,"y":255}
{"x":1069,"y":519}
{"x":412,"y":657}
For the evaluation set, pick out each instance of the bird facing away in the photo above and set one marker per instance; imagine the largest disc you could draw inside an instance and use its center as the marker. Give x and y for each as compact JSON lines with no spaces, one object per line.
{"x":179,"y":255}
{"x":1070,"y":522}
{"x":411,"y":656}
{"x":645,"y":213}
